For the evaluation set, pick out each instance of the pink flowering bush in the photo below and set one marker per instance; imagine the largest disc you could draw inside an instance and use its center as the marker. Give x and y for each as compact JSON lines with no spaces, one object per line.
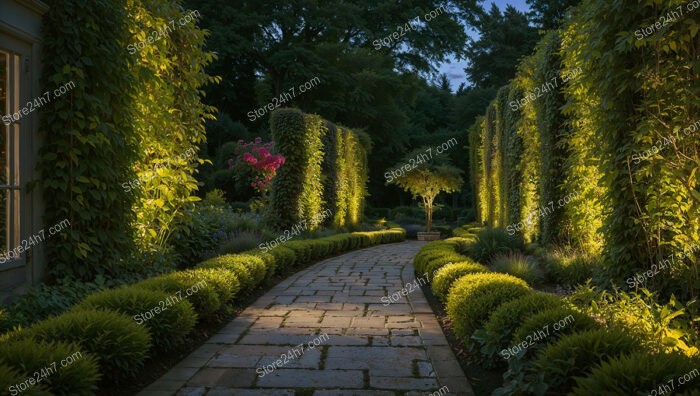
{"x":258,"y":157}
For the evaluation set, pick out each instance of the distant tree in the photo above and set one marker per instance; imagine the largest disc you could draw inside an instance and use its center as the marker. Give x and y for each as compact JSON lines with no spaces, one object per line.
{"x":504,"y":38}
{"x":548,"y":14}
{"x":288,"y":43}
{"x":470,"y":103}
{"x":444,"y":83}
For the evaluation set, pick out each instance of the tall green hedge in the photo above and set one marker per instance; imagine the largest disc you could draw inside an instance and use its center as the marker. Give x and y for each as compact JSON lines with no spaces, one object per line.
{"x":332,"y":163}
{"x":586,"y":212}
{"x":357,"y":148}
{"x":491,"y":167}
{"x":530,"y":159}
{"x":551,"y":125}
{"x":475,"y":164}
{"x":292,"y":138}
{"x":89,"y":138}
{"x":501,"y":141}
{"x":325,"y":169}
{"x":312,"y":200}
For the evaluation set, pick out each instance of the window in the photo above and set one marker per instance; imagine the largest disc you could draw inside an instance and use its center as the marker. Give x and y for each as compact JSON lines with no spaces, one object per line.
{"x":9,"y":156}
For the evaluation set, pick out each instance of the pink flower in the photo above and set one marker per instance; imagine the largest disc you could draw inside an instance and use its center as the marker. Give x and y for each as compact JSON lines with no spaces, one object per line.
{"x":249,"y":158}
{"x":259,"y":156}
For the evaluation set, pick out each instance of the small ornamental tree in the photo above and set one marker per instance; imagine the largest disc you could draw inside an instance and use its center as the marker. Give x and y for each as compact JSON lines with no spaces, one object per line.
{"x":425,"y":179}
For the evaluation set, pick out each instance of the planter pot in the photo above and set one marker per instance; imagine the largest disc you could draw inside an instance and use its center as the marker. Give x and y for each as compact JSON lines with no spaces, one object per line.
{"x":429,"y":236}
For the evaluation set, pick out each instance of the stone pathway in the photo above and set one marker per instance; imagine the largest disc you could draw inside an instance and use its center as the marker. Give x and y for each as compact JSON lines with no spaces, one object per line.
{"x":328,"y":330}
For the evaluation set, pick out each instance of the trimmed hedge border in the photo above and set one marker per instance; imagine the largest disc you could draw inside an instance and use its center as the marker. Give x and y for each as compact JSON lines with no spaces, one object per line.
{"x":107,"y":330}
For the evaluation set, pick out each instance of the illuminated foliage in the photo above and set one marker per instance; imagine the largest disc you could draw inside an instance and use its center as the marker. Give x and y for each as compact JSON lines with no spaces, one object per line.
{"x":170,"y":116}
{"x":643,"y":93}
{"x":119,"y":151}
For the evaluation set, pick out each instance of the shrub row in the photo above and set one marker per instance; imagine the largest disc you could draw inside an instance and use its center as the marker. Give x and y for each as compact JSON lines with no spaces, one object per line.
{"x":549,"y":346}
{"x":117,"y":330}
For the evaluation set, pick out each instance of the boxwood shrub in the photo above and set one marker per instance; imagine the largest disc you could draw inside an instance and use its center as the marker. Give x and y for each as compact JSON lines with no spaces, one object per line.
{"x":324,"y":248}
{"x":221,"y":286}
{"x":578,"y":353}
{"x":10,"y":377}
{"x":169,"y":318}
{"x":639,"y":374}
{"x":340,"y":243}
{"x":269,"y":261}
{"x":302,"y":249}
{"x":464,"y":246}
{"x":249,"y":269}
{"x":474,"y":297}
{"x":223,"y":282}
{"x":538,"y":323}
{"x":120,"y":345}
{"x":447,"y":275}
{"x":393,"y":235}
{"x":284,"y":257}
{"x":507,"y":318}
{"x":436,"y":254}
{"x":42,"y":361}
{"x":373,"y":238}
{"x":463,"y":232}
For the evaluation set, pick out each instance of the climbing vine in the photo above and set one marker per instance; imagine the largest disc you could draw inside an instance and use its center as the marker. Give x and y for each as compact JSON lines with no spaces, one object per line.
{"x":89,"y":138}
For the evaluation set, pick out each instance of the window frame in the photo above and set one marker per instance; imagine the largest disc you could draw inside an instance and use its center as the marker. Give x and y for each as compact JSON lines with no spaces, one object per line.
{"x":18,"y":139}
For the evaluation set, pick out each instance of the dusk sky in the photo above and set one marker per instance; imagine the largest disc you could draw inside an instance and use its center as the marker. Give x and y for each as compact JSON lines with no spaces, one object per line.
{"x":455,"y":70}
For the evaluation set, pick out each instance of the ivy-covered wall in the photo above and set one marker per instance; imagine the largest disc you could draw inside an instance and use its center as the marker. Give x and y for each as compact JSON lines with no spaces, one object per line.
{"x":475,"y":165}
{"x":530,"y":160}
{"x":501,"y":142}
{"x":291,"y":136}
{"x":90,"y":139}
{"x":584,"y":174}
{"x":491,"y":176}
{"x":514,"y":183}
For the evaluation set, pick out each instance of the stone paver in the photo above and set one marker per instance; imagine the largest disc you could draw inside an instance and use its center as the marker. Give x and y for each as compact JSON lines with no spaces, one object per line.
{"x":326,"y":330}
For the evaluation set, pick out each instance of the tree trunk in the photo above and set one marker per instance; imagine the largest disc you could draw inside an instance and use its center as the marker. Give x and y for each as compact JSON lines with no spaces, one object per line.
{"x":428,"y":205}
